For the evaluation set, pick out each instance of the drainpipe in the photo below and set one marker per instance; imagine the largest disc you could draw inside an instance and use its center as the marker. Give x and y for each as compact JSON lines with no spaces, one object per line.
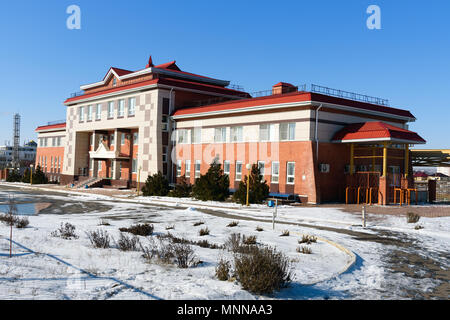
{"x":316,"y":133}
{"x":170,"y":131}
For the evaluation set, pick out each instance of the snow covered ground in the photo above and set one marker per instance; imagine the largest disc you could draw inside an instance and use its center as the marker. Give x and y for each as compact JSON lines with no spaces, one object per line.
{"x":73,"y":269}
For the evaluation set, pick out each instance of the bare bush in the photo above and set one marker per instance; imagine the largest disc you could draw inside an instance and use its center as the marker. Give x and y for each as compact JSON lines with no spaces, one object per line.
{"x":412,"y":217}
{"x":99,"y":239}
{"x":170,"y":227}
{"x":104,"y":222}
{"x":259,"y":229}
{"x":65,"y":231}
{"x":263,"y":270}
{"x":128,"y":243}
{"x":184,"y":255}
{"x":223,"y":270}
{"x":233,"y":224}
{"x":139,"y":229}
{"x":304,"y":250}
{"x":16,"y":221}
{"x":307,"y":239}
{"x":285,"y":233}
{"x":21,"y":222}
{"x":196,"y":224}
{"x":203,"y":232}
{"x":249,"y":241}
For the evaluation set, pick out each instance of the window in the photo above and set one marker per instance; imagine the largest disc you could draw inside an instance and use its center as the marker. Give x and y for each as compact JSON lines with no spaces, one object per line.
{"x":111,"y":140}
{"x":178,"y":168}
{"x":290,"y":173}
{"x":187,"y":170}
{"x":196,"y":135}
{"x":53,"y":142}
{"x":238,"y":171}
{"x":183,"y":135}
{"x":131,"y":106}
{"x":266,"y":132}
{"x":98,"y":112}
{"x":122,"y":138}
{"x":59,"y":142}
{"x":81,"y":113}
{"x":91,"y":165}
{"x":111,"y":109}
{"x":135,"y":138}
{"x":89,"y":114}
{"x":287,"y":131}
{"x":236,"y":134}
{"x":134,"y":166}
{"x":121,"y":109}
{"x":261,"y":169}
{"x":275,"y":171}
{"x":197,"y":169}
{"x":220,"y":134}
{"x":59,"y":163}
{"x":92,"y":140}
{"x":99,"y":166}
{"x":165,"y":123}
{"x":226,"y":167}
{"x":164,"y":154}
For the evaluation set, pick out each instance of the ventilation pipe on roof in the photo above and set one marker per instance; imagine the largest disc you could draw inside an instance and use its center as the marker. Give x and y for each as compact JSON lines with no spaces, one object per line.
{"x":316,"y":133}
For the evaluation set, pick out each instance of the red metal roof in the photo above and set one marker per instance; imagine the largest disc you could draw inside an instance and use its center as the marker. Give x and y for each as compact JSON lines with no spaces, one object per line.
{"x":376,"y":130}
{"x":51,"y":127}
{"x":292,"y":97}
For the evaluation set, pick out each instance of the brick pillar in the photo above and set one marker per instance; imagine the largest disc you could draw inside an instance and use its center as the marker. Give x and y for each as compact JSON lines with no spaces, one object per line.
{"x":383,"y":196}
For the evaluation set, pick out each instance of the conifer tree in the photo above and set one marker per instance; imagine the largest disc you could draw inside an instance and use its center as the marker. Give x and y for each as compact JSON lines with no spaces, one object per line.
{"x":258,"y":189}
{"x":213,"y":185}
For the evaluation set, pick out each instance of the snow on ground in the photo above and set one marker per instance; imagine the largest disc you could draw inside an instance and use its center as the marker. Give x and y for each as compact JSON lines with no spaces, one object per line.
{"x":125,"y":275}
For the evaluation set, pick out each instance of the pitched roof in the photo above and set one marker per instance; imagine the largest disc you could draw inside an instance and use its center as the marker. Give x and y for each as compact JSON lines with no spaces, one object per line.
{"x":376,"y":130}
{"x":51,"y":127}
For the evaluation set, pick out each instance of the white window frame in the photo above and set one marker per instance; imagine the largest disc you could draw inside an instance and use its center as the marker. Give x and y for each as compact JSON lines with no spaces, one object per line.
{"x":290,"y":178}
{"x":98,"y":112}
{"x":165,"y":122}
{"x":110,"y":109}
{"x":178,"y":168}
{"x":225,"y":164}
{"x":131,"y":106}
{"x":121,"y":108}
{"x":196,"y":135}
{"x":187,"y":169}
{"x":262,"y":168}
{"x":89,"y":112}
{"x":165,"y":151}
{"x":183,"y":136}
{"x":270,"y":132}
{"x":135,"y":138}
{"x":238,"y":174}
{"x":275,"y":176}
{"x":237,"y":134}
{"x":81,"y":113}
{"x":134,"y":166}
{"x":197,"y":170}
{"x":290,"y":131}
{"x":122,"y":139}
{"x":220,"y":135}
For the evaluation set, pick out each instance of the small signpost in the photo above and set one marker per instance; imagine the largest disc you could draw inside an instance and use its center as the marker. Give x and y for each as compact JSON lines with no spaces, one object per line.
{"x":273,"y":203}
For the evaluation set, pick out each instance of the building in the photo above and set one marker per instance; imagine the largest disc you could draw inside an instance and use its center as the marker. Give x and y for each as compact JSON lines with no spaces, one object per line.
{"x":27,"y":155}
{"x":320,"y":144}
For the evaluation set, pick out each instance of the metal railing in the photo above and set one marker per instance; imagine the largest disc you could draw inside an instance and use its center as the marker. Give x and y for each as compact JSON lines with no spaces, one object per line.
{"x":349,"y":95}
{"x":51,"y":123}
{"x":76,"y":94}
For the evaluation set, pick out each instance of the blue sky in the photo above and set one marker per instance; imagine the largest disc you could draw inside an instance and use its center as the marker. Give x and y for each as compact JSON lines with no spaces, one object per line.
{"x":251,"y":43}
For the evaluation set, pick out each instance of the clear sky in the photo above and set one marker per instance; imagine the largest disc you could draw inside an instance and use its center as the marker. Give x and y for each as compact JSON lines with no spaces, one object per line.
{"x":254,"y":44}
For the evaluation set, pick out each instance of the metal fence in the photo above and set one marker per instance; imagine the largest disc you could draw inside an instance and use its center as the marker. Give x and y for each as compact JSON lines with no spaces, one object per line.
{"x":349,"y":95}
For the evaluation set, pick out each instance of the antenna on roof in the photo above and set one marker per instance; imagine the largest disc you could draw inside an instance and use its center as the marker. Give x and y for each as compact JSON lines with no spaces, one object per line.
{"x":150,"y":63}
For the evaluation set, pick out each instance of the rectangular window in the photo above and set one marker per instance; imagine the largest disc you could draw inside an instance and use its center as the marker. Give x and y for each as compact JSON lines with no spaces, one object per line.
{"x":54,"y":142}
{"x":287,"y":131}
{"x":178,"y":168}
{"x":261,"y":169}
{"x":183,"y":135}
{"x":99,"y":166}
{"x":110,"y":109}
{"x":197,"y":169}
{"x":131,"y":106}
{"x":165,"y":123}
{"x":196,"y":135}
{"x":91,"y":165}
{"x":237,"y":134}
{"x":187,"y":170}
{"x":238,"y":171}
{"x":266,"y":132}
{"x":290,"y":173}
{"x":121,"y":110}
{"x":92,"y":140}
{"x":81,"y":113}
{"x":134,"y":166}
{"x":135,"y":138}
{"x":164,"y":154}
{"x":89,"y":114}
{"x":59,"y":163}
{"x":98,"y":112}
{"x":226,"y":167}
{"x":122,"y":138}
{"x":275,"y":172}
{"x":220,"y":134}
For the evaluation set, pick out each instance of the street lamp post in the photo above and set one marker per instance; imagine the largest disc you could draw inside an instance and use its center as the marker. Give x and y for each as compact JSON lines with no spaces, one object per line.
{"x":31,"y":173}
{"x":248,"y":166}
{"x":139,"y":180}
